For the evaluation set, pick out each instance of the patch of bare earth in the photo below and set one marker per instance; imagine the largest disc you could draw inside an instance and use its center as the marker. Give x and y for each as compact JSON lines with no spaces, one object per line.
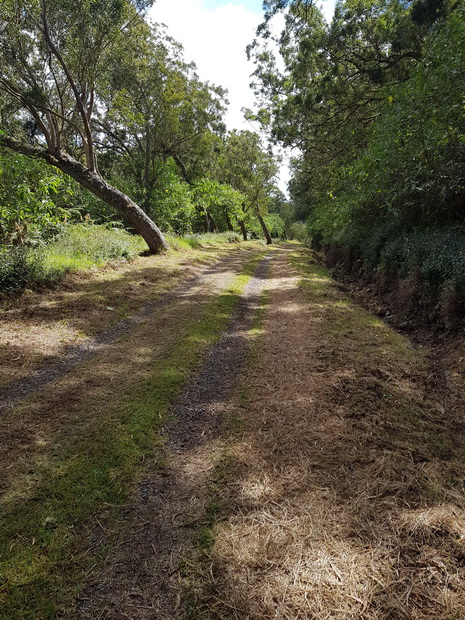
{"x":141,"y":578}
{"x":347,"y":494}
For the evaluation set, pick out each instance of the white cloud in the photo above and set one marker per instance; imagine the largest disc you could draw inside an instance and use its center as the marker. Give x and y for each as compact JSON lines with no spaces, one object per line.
{"x":215,"y":40}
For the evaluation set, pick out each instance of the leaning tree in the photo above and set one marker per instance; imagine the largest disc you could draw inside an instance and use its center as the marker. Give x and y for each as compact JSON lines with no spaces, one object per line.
{"x":54,"y":69}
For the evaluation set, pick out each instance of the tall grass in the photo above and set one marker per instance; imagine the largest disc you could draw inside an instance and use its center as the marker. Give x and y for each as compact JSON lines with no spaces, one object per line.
{"x":84,"y":246}
{"x":80,"y":246}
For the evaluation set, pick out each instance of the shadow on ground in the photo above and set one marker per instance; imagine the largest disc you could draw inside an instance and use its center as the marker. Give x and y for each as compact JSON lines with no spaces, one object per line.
{"x":345,"y":497}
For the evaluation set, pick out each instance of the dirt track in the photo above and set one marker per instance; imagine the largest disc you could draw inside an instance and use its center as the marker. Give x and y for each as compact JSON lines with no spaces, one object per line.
{"x":313,"y":469}
{"x":141,"y":578}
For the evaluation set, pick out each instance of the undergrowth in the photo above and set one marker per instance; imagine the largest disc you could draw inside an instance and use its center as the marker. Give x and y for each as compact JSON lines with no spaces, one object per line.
{"x":84,"y":246}
{"x":422,"y":270}
{"x":80,"y":246}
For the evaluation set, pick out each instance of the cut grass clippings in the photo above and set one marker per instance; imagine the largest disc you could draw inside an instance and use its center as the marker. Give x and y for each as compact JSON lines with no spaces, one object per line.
{"x":345,"y":496}
{"x":44,"y":515}
{"x":195,"y":570}
{"x":38,"y":325}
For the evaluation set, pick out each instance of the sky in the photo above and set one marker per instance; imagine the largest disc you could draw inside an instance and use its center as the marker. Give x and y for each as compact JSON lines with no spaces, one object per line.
{"x":214,"y":34}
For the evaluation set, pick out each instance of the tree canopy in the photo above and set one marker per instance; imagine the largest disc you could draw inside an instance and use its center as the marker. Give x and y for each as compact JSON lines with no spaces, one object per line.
{"x":372,"y":103}
{"x":106,"y":97}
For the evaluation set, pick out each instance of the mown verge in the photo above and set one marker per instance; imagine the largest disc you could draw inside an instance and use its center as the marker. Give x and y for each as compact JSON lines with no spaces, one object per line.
{"x":344,"y":494}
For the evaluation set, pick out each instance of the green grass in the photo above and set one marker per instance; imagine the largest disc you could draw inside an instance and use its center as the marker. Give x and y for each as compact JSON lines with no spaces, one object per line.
{"x":200,"y":239}
{"x":43,"y":564}
{"x":85,"y":246}
{"x":79,"y":247}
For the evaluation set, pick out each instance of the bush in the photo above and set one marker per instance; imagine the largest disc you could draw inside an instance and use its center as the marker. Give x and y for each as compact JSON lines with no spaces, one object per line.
{"x":15,"y":268}
{"x":298,"y":231}
{"x":200,"y":239}
{"x":436,"y":255}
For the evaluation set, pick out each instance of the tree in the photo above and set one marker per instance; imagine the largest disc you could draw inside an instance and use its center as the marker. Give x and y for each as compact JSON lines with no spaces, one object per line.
{"x":54,"y":56}
{"x":156,"y":109}
{"x":217,"y":204}
{"x":251,"y":170}
{"x":34,"y":199}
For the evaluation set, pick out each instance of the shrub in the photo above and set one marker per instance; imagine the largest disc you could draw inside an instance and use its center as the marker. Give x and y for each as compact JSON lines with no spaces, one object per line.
{"x":15,"y":268}
{"x":212,"y":238}
{"x":298,"y":231}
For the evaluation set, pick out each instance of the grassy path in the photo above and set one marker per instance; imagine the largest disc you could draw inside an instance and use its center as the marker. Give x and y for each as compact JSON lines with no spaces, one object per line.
{"x":71,"y":453}
{"x":344,"y":496}
{"x":319,"y":474}
{"x":141,"y":576}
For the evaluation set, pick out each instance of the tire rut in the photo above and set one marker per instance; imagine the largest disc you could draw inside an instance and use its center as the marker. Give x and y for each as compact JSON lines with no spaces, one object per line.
{"x":74,"y":355}
{"x":141,"y":575}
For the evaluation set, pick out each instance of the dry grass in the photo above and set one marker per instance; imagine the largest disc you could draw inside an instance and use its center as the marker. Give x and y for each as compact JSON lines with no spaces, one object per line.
{"x":70,"y":454}
{"x":347,"y":496}
{"x":37,"y":326}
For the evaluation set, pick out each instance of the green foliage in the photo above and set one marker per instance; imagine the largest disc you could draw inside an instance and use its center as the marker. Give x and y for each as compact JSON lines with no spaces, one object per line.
{"x":297,"y":231}
{"x":436,"y":255}
{"x":218,"y":201}
{"x":274,"y":222}
{"x":375,"y":102}
{"x":15,"y":268}
{"x":33,"y":200}
{"x":80,"y":246}
{"x":170,"y":202}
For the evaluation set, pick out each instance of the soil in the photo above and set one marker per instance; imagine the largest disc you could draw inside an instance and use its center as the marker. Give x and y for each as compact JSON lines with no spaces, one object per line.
{"x":340,"y":443}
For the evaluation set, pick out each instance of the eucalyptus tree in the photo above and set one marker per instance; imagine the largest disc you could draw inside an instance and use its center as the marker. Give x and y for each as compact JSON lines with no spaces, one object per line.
{"x":251,"y":170}
{"x":54,"y":56}
{"x":333,"y":79}
{"x":157,"y":110}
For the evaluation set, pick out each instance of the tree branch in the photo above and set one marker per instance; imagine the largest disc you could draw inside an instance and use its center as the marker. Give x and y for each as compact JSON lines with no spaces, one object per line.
{"x":88,"y":142}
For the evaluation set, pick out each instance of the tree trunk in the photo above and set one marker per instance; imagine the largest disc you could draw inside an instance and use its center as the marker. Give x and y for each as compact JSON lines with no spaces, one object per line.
{"x":213,"y":226}
{"x":127,"y":208}
{"x":206,"y":223}
{"x":243,"y":229}
{"x":265,"y":229}
{"x":228,"y":222}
